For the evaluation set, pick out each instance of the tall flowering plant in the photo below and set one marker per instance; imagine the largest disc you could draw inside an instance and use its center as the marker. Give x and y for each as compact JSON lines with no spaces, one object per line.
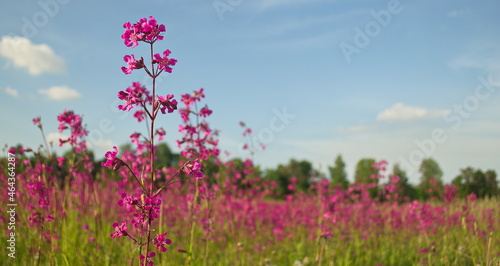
{"x":144,"y":207}
{"x":199,"y":140}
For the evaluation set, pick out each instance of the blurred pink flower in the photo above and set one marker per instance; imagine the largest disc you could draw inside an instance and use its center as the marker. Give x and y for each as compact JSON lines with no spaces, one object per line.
{"x":120,"y":230}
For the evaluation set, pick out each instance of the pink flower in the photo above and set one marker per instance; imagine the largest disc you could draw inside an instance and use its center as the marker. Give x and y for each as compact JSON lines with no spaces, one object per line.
{"x":204,"y":112}
{"x":197,"y":95}
{"x":160,"y":241}
{"x":152,"y":206}
{"x":133,"y":96}
{"x":150,"y":255}
{"x":49,"y":218}
{"x":194,"y":169}
{"x":151,"y":29}
{"x":68,"y":119}
{"x":135,"y":137}
{"x":37,"y":121}
{"x":168,"y":103}
{"x":160,"y":132}
{"x":139,"y":114}
{"x":111,"y":160}
{"x":164,"y":62}
{"x":185,"y":114}
{"x":132,"y":34}
{"x":110,"y":157}
{"x":471,"y":197}
{"x":146,"y":30}
{"x":128,"y":201}
{"x":120,"y":230}
{"x":60,"y":161}
{"x":132,"y":64}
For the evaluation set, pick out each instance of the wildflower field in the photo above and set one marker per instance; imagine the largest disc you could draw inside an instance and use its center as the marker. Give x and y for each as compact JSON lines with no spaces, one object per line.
{"x":236,"y":222}
{"x":142,"y":206}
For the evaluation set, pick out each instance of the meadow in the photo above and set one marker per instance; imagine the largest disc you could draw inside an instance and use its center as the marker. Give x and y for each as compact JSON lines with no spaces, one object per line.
{"x":239,"y":222}
{"x":133,"y":208}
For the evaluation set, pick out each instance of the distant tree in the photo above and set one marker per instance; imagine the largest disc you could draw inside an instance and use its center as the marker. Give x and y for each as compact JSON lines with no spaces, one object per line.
{"x":430,"y":168}
{"x":365,"y":172}
{"x":430,"y":180}
{"x":70,"y":154}
{"x":283,"y":174}
{"x":238,"y":170}
{"x":463,"y":181}
{"x":338,"y":173}
{"x":280,"y":176}
{"x":165,"y":157}
{"x":211,"y":168}
{"x":479,"y":183}
{"x":492,"y":184}
{"x":302,"y":170}
{"x":125,"y":147}
{"x":409,"y":192}
{"x":475,"y":181}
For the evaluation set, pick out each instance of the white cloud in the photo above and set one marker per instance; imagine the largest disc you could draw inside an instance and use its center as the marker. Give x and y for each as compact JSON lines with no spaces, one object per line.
{"x":485,"y":57}
{"x":60,"y":93}
{"x":102,"y":144}
{"x":402,"y":112}
{"x":36,"y":58}
{"x":12,"y":92}
{"x":54,"y":138}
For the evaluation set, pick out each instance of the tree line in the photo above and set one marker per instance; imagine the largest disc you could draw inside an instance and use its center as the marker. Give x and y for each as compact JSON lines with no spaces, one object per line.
{"x":470,"y":180}
{"x":299,"y":175}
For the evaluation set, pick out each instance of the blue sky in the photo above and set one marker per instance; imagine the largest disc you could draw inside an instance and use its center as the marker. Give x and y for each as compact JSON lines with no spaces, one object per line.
{"x":393,"y":80}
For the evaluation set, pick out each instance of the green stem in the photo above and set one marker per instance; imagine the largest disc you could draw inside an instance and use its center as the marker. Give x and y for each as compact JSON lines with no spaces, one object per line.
{"x":191,"y":241}
{"x":152,"y":153}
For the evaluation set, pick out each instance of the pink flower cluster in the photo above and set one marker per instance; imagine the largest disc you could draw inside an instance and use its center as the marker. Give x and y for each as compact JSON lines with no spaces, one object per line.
{"x":134,"y":95}
{"x":68,"y":119}
{"x":143,"y":214}
{"x":37,"y":121}
{"x":111,"y":160}
{"x":199,"y":139}
{"x":144,"y":209}
{"x":168,"y":103}
{"x":252,"y":142}
{"x":194,"y":169}
{"x":146,"y":30}
{"x":137,"y":95}
{"x":160,"y":241}
{"x":164,"y":63}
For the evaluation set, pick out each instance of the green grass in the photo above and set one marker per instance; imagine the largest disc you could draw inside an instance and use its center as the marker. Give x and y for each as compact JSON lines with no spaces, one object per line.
{"x":455,"y":246}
